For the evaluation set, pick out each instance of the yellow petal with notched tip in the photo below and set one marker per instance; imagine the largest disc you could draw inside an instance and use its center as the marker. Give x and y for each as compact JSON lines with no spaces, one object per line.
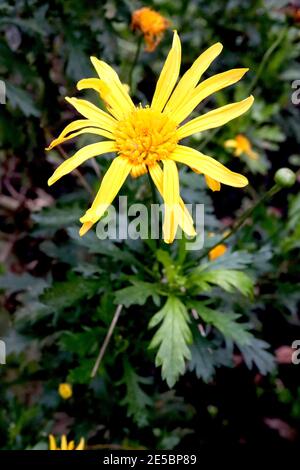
{"x":168,"y":76}
{"x":208,"y":166}
{"x":217,"y":117}
{"x":205,"y":89}
{"x":90,"y":111}
{"x":109,"y":188}
{"x":68,"y":131}
{"x":122,"y":101}
{"x":171,"y":200}
{"x":89,"y":151}
{"x":192,"y":77}
{"x":185,"y":219}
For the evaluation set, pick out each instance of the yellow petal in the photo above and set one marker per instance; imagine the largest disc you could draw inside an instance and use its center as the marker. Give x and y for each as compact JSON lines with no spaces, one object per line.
{"x":94,"y":83}
{"x":90,"y":111}
{"x":81,"y":444}
{"x":192,"y":77}
{"x":122,"y":103}
{"x":85,"y":228}
{"x":89,"y":151}
{"x":212,"y":184}
{"x":71,"y":445}
{"x":52,"y":442}
{"x":82,"y":124}
{"x":230,"y":144}
{"x":185,"y":219}
{"x":205,"y":89}
{"x":171,"y":200}
{"x":208,"y":166}
{"x":64,"y":443}
{"x":110,"y":186}
{"x":217,"y":117}
{"x":168,"y":76}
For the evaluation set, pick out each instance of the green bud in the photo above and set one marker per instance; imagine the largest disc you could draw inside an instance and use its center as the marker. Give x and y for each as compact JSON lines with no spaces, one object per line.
{"x":285,"y":177}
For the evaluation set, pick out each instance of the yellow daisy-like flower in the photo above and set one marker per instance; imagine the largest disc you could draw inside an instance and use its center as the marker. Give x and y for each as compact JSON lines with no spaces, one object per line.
{"x":241,"y":144}
{"x":64,"y":444}
{"x":146,"y":139}
{"x":151,"y":24}
{"x":65,"y":390}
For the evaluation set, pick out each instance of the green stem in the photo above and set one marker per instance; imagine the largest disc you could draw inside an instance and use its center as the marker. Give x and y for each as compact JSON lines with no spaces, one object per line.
{"x":137,"y":53}
{"x":268,"y":195}
{"x":265,"y":59}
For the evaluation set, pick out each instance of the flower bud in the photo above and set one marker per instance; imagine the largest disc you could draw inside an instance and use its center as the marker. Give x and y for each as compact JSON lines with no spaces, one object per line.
{"x":285,"y":177}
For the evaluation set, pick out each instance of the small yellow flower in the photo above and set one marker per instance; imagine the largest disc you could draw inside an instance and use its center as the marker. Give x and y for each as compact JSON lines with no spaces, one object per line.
{"x":219,"y":250}
{"x":146,"y":139}
{"x":151,"y":24}
{"x":241,"y":144}
{"x":65,"y":391}
{"x":64,"y":444}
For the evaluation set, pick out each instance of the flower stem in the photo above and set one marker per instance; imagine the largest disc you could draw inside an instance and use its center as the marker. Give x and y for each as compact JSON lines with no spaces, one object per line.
{"x":137,"y":53}
{"x":268,"y":195}
{"x":265,"y":59}
{"x":107,"y":339}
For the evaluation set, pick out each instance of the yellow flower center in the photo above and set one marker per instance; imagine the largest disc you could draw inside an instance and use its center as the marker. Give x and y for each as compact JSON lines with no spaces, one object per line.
{"x":145,"y":137}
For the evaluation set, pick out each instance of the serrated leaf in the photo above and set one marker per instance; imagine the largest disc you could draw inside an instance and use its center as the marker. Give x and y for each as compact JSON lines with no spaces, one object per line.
{"x":65,"y":294}
{"x":137,"y":294}
{"x":136,"y":400}
{"x":225,"y":322}
{"x":57,"y":217}
{"x":82,"y":343}
{"x":236,"y":260}
{"x":228,"y":279}
{"x":21,"y":99}
{"x":82,"y":373}
{"x":172,"y":339}
{"x":256,"y":354}
{"x":206,"y":357}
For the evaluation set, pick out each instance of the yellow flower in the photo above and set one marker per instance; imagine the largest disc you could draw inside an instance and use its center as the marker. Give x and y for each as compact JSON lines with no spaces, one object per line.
{"x":219,"y":250}
{"x":241,"y":144}
{"x":64,"y":444}
{"x":65,"y":391}
{"x":151,"y":24}
{"x":146,"y":139}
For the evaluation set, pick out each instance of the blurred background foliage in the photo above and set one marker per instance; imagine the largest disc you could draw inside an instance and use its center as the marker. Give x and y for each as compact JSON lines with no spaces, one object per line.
{"x":231,"y":359}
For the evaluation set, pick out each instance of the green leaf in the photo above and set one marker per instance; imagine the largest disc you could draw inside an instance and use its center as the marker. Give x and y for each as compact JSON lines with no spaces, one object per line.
{"x":19,"y":98}
{"x":137,"y":294}
{"x":136,"y":400}
{"x":256,"y":354}
{"x":65,"y":294}
{"x":225,"y":322}
{"x":172,"y":339}
{"x":58,"y":217}
{"x":207,"y":356}
{"x":228,"y":279}
{"x":82,"y":373}
{"x":83,"y":343}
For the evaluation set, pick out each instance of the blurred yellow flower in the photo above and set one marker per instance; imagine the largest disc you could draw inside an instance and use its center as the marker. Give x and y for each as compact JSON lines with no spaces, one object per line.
{"x":241,"y":144}
{"x":219,"y":250}
{"x":146,"y":139}
{"x":151,"y":24}
{"x":64,"y":444}
{"x":65,"y":391}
